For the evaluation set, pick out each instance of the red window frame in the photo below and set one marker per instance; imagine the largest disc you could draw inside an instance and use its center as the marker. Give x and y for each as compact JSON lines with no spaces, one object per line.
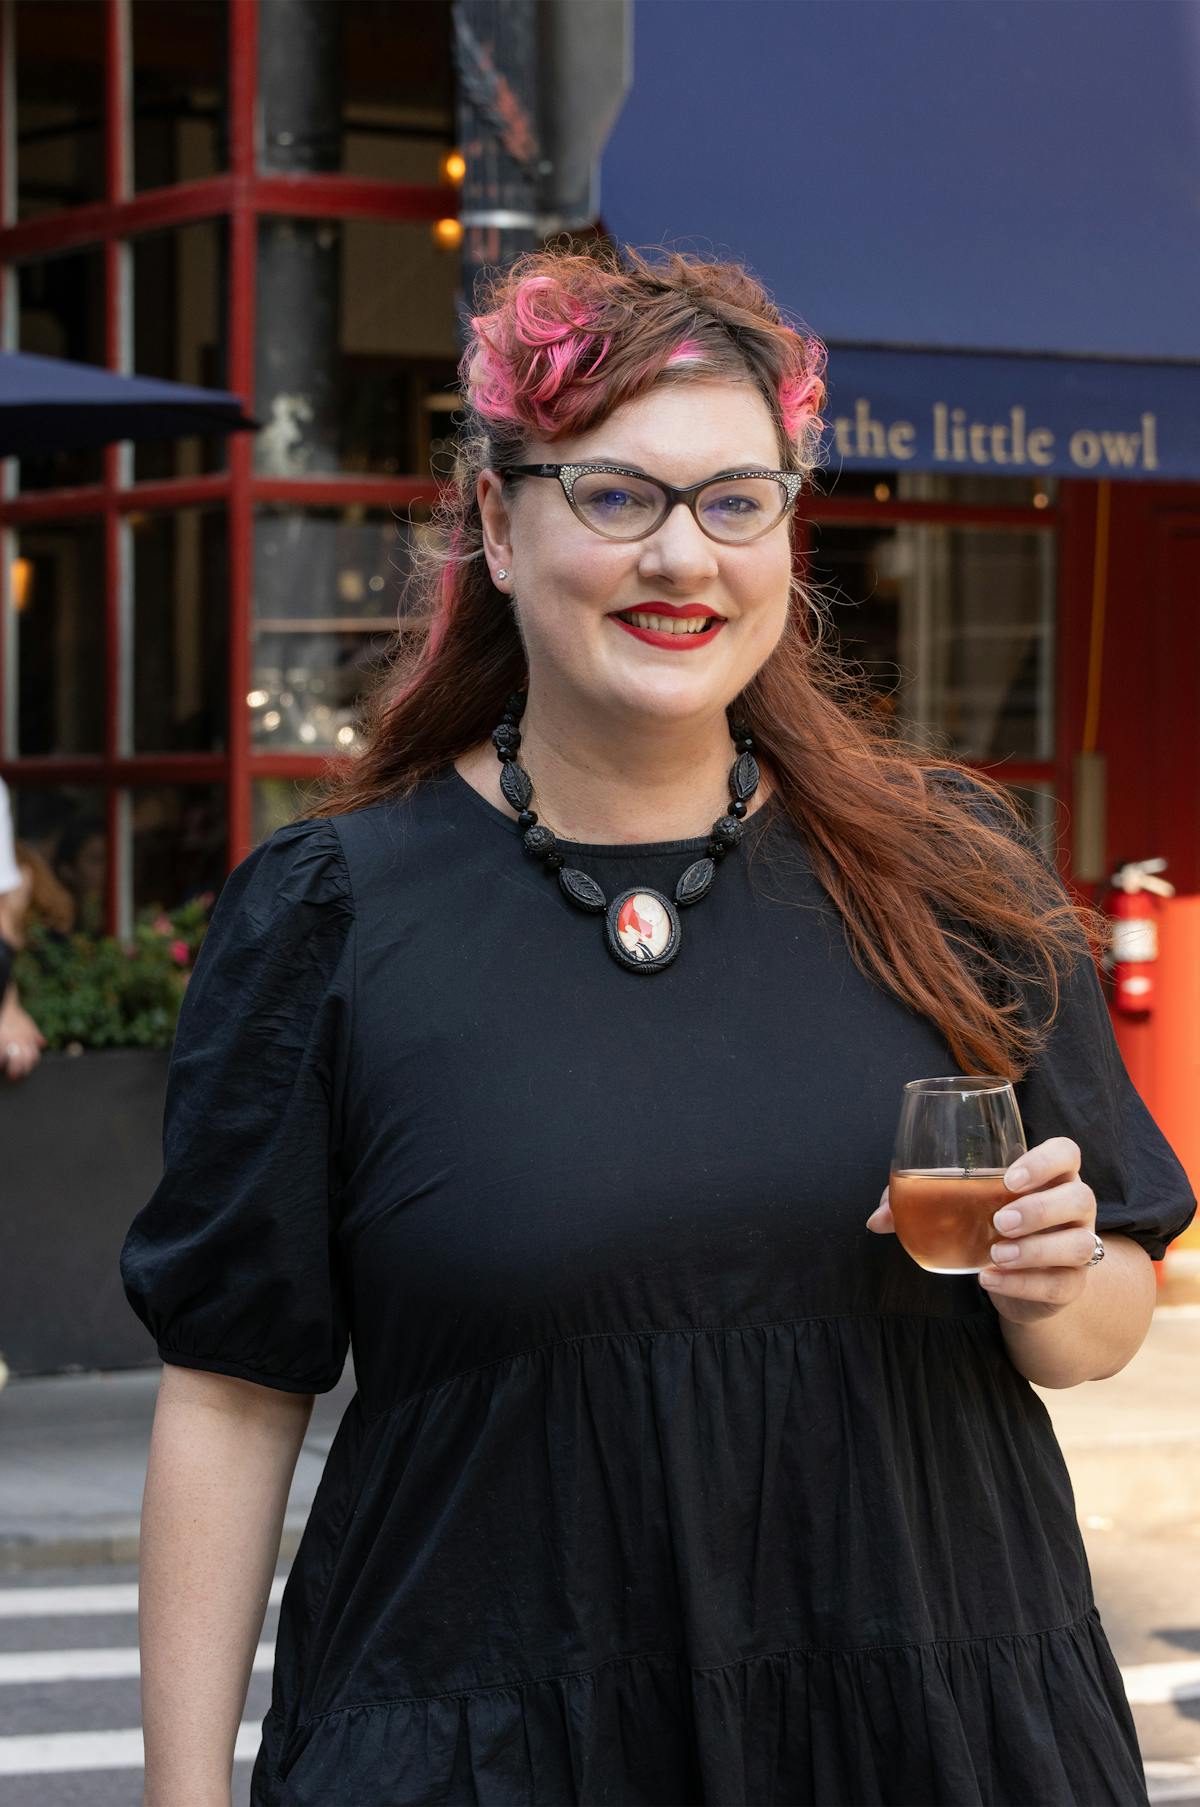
{"x":241,"y":196}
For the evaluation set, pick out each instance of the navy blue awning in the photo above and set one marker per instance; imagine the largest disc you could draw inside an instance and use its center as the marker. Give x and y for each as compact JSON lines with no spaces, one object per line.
{"x":990,"y":212}
{"x":52,"y":404}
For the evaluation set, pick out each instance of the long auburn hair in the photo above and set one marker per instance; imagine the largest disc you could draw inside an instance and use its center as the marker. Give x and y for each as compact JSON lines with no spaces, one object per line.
{"x":945,"y":900}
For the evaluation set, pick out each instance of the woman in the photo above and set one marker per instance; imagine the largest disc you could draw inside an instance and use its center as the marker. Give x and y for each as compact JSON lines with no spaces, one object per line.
{"x":517,"y":1065}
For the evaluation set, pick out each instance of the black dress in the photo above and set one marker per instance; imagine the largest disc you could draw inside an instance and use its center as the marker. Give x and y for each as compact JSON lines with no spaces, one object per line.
{"x":666,"y":1481}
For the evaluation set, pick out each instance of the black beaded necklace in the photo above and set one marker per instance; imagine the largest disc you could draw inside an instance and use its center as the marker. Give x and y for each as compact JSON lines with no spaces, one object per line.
{"x":642,"y":925}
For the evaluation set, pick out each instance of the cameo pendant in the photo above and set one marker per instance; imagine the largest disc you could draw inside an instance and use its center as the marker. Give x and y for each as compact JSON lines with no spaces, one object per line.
{"x":643,"y":930}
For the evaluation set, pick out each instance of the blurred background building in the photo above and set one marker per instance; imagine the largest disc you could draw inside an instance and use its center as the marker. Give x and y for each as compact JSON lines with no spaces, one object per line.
{"x":289,"y":199}
{"x":245,"y":196}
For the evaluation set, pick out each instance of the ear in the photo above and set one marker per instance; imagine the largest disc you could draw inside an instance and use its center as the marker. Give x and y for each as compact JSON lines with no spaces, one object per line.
{"x":496,"y":522}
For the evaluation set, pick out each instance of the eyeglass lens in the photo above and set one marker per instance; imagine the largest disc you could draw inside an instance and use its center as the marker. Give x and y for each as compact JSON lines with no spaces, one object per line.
{"x":732,"y":509}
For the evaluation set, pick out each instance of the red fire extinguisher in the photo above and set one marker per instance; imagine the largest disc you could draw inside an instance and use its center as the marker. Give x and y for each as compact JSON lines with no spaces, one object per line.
{"x":1133,"y":909}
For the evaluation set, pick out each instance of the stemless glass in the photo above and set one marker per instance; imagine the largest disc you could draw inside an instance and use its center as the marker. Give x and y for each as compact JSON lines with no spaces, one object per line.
{"x":955,"y":1140}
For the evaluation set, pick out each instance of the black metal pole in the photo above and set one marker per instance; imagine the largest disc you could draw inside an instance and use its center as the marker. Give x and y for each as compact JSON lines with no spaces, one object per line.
{"x":297,"y":361}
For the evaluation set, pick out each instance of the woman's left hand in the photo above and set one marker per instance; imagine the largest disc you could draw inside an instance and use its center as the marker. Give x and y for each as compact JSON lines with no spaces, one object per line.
{"x":1045,"y":1239}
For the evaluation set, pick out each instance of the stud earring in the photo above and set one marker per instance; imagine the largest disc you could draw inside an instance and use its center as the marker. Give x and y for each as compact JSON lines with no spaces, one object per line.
{"x":501,"y":573}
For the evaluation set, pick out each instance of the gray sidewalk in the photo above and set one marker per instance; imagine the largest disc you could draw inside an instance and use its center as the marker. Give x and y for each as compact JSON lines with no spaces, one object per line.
{"x":74,"y":1451}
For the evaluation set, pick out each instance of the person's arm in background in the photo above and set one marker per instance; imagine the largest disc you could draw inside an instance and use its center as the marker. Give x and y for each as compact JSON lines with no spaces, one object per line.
{"x":222,"y":1455}
{"x":21,"y":1041}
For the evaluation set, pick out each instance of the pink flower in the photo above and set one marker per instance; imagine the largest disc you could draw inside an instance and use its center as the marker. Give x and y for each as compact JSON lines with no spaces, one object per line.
{"x":162,"y":925}
{"x":180,"y":953}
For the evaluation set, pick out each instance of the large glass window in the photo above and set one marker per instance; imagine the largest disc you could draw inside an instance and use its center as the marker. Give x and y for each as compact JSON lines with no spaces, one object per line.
{"x":356,"y":338}
{"x":180,"y":630}
{"x":179,"y":333}
{"x":61,"y":302}
{"x":58,"y":596}
{"x":970,"y":489}
{"x":180,"y":58}
{"x":953,"y":625}
{"x":179,"y":843}
{"x":60,"y":105}
{"x":327,"y":587}
{"x":353,"y":324}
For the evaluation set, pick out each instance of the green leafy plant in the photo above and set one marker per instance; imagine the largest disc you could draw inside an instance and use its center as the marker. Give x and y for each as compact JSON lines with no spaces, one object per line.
{"x":87,"y":991}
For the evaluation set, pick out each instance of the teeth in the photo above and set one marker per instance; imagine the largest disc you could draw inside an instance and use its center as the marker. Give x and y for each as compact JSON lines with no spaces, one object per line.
{"x":668,"y":624}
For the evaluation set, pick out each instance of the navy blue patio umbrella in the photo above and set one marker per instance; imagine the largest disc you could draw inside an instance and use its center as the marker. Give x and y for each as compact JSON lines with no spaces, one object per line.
{"x":53,"y":405}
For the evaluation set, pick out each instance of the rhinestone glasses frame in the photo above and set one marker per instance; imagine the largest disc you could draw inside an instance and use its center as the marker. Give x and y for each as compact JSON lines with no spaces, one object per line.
{"x":569,"y":474}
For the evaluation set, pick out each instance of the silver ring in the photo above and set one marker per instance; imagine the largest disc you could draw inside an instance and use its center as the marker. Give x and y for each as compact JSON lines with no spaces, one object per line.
{"x":13,"y":1048}
{"x":1098,"y":1252}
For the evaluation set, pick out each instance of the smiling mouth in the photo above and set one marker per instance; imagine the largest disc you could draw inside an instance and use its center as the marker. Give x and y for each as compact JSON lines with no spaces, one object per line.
{"x":670,"y":624}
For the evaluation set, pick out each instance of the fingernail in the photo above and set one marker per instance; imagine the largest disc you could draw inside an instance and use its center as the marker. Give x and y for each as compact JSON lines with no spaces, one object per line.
{"x":1005,"y":1251}
{"x":1017,"y":1178}
{"x":988,"y":1278}
{"x":1008,"y":1219}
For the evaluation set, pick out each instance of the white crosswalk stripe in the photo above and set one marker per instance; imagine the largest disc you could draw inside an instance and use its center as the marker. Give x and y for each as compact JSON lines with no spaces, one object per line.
{"x":56,"y":1753}
{"x":21,"y":1666}
{"x":80,"y":1602}
{"x":1168,"y":1780}
{"x":55,"y":1682}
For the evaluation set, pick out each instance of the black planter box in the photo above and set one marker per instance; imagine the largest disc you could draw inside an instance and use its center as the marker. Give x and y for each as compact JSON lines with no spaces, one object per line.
{"x":80,"y":1153}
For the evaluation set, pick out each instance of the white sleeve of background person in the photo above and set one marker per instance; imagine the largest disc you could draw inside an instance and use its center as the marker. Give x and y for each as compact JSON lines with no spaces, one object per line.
{"x":10,"y":876}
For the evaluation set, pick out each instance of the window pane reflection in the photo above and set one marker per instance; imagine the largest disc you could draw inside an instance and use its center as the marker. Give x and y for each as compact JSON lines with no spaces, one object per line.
{"x":60,"y":831}
{"x":179,"y":334}
{"x":179,"y":90}
{"x":180,"y":631}
{"x":966,"y":488}
{"x":356,"y":342}
{"x":954,"y":626}
{"x":327,"y":585}
{"x":58,"y":595}
{"x":179,"y":842}
{"x":60,"y":105}
{"x":61,"y":301}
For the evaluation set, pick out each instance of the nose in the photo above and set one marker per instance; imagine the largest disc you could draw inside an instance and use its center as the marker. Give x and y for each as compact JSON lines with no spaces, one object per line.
{"x":678,"y":550}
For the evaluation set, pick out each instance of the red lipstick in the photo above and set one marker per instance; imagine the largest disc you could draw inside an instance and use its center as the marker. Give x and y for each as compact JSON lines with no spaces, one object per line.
{"x":670,"y":608}
{"x":674,"y":643}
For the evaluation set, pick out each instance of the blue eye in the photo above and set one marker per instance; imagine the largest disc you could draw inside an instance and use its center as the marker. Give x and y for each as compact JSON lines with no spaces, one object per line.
{"x":737,"y":505}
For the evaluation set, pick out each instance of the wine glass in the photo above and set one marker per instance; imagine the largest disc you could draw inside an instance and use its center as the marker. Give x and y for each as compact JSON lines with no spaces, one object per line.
{"x":955,"y":1140}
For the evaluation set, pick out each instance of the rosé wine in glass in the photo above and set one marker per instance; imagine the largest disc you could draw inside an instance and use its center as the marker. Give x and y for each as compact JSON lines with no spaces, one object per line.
{"x":955,"y":1140}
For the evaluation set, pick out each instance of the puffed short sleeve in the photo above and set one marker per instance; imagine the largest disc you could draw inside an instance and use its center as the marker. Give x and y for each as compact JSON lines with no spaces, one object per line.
{"x":1079,"y":1087}
{"x":231,"y":1264}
